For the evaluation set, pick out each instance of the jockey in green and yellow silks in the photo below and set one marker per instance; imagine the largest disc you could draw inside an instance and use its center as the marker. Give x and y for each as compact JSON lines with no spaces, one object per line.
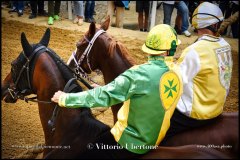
{"x":150,"y":93}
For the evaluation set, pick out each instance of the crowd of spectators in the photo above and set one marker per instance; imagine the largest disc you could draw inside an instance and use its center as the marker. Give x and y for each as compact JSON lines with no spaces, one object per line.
{"x":84,"y":11}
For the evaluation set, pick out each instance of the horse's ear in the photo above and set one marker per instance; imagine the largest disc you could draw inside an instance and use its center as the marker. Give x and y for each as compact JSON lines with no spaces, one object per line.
{"x":106,"y":23}
{"x":92,"y":29}
{"x":27,"y":48}
{"x":46,"y":37}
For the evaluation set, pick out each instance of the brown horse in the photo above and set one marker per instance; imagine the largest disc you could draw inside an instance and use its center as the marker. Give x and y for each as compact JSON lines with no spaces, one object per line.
{"x":112,"y":59}
{"x":38,"y":70}
{"x":111,"y":64}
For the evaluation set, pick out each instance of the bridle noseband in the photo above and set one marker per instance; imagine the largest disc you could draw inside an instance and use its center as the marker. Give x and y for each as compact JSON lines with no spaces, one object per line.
{"x":79,"y":70}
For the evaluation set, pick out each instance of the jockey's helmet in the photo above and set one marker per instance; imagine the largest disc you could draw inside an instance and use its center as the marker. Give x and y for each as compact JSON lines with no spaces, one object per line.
{"x":160,"y":39}
{"x":206,"y":14}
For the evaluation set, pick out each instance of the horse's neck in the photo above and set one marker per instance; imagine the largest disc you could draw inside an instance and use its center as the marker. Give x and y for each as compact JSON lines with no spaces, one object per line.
{"x":81,"y":131}
{"x":113,"y":65}
{"x":47,"y":79}
{"x":84,"y":129}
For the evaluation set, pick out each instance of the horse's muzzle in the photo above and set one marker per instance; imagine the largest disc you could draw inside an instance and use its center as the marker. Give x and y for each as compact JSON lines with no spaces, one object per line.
{"x":6,"y":96}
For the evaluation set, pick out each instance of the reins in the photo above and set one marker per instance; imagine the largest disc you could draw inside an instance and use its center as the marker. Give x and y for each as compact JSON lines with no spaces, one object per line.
{"x":33,"y":99}
{"x":67,"y":88}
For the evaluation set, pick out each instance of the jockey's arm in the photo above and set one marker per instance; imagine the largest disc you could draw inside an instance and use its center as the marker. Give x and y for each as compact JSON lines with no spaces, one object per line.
{"x":113,"y":93}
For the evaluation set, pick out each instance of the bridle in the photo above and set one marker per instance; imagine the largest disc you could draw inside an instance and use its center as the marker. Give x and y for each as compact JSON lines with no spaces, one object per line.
{"x":13,"y":91}
{"x":15,"y":94}
{"x":79,"y":70}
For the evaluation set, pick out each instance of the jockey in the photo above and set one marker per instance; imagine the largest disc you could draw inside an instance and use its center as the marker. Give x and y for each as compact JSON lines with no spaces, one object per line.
{"x":150,"y":93}
{"x":206,"y":69}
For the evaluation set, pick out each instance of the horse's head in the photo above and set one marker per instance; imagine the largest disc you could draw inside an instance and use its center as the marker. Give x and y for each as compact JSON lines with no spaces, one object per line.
{"x":83,"y":57}
{"x":17,"y":82}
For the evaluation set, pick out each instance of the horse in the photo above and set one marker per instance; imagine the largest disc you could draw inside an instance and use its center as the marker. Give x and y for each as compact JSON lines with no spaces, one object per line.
{"x":110,"y":67}
{"x":112,"y":58}
{"x":39,"y":70}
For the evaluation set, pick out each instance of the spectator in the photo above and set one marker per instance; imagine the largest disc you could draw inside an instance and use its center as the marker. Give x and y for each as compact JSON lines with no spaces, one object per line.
{"x":142,"y":7}
{"x":182,"y":9}
{"x":192,"y":5}
{"x":119,"y":6}
{"x":9,"y":4}
{"x":150,"y":92}
{"x":37,"y":7}
{"x":78,"y":11}
{"x":228,"y":21}
{"x":89,"y":11}
{"x":178,"y":20}
{"x":53,"y":11}
{"x":229,"y":8}
{"x":18,"y":7}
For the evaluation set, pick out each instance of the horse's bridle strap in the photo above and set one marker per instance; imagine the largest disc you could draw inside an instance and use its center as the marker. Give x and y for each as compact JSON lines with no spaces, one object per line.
{"x":89,"y":47}
{"x":26,"y":66}
{"x":79,"y":71}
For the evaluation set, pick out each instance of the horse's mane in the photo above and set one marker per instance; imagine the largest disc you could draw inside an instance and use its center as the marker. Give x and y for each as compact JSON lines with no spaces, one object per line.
{"x":123,"y":50}
{"x":66,"y":72}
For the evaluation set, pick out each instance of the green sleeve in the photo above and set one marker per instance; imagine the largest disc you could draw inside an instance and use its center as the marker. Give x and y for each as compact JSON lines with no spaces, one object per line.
{"x":115,"y":92}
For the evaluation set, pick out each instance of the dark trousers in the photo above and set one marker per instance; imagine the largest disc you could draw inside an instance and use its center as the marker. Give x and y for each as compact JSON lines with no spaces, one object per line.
{"x":37,"y":7}
{"x":19,"y":5}
{"x":53,"y":8}
{"x":180,"y":123}
{"x":89,"y":9}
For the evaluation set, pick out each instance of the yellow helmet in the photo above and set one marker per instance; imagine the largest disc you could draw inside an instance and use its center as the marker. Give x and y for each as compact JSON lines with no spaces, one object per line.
{"x":160,"y":39}
{"x":206,"y":14}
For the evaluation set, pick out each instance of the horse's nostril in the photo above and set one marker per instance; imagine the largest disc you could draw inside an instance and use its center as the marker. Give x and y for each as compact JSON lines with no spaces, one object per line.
{"x":8,"y":99}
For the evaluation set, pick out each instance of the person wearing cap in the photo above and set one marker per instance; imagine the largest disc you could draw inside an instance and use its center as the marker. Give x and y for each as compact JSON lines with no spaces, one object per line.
{"x":150,"y":93}
{"x":206,"y":69}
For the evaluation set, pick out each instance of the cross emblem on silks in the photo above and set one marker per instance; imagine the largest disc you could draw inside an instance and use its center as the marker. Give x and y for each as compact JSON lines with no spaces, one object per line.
{"x":170,"y":88}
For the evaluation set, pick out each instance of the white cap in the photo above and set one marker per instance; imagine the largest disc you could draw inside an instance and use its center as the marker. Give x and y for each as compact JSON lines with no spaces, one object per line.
{"x":206,"y":14}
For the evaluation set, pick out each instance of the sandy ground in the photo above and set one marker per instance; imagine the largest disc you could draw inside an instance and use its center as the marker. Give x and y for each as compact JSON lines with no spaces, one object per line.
{"x":21,"y":127}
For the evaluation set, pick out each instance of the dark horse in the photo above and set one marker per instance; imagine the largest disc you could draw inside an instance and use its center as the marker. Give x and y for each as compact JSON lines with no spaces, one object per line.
{"x":38,"y":70}
{"x":112,"y":59}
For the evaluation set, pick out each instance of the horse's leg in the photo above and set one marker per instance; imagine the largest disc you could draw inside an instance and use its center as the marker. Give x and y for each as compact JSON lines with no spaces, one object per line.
{"x":185,"y":152}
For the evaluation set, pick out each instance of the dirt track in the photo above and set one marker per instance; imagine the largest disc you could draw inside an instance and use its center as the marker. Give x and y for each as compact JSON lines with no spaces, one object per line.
{"x":20,"y":122}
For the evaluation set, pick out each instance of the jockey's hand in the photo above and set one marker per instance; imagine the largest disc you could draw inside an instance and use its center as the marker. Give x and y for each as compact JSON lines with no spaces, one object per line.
{"x":94,"y":85}
{"x":56,"y":96}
